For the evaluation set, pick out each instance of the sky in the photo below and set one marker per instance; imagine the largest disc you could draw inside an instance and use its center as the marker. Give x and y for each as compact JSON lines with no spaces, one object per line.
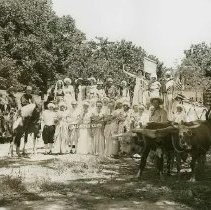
{"x":164,"y":28}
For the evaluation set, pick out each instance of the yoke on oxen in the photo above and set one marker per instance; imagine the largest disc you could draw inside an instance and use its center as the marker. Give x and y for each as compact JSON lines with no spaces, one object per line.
{"x":156,"y":133}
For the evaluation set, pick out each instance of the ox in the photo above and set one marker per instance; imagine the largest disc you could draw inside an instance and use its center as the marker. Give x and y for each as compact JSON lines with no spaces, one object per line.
{"x":195,"y":139}
{"x":163,"y":147}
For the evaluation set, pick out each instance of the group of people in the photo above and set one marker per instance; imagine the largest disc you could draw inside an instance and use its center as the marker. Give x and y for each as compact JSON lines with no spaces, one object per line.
{"x":90,"y":118}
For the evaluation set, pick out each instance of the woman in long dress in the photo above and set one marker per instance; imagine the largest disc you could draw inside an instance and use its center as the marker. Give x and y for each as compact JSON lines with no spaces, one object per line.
{"x":91,"y":88}
{"x":154,"y":87}
{"x":139,"y":90}
{"x":100,"y":92}
{"x":59,"y":91}
{"x":62,"y":133}
{"x":79,"y":89}
{"x":69,"y":93}
{"x":73,"y":126}
{"x":168,"y":99}
{"x":98,"y":129}
{"x":85,"y":139}
{"x":124,"y":91}
{"x":110,"y":128}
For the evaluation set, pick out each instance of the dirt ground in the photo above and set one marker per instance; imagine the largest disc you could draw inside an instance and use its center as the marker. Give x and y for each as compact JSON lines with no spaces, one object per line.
{"x":88,"y":182}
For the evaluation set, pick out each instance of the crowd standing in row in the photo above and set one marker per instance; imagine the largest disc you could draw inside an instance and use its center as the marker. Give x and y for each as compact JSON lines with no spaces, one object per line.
{"x":86,"y":118}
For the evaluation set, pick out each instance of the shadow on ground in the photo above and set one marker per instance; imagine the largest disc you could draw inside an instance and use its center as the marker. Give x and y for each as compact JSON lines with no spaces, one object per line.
{"x":110,"y":184}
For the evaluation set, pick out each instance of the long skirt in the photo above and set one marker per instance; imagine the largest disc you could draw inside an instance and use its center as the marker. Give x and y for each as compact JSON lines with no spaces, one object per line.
{"x":169,"y":105}
{"x":74,"y":135}
{"x":84,"y":141}
{"x":99,"y":141}
{"x":111,"y":144}
{"x":138,"y":95}
{"x":68,"y":100}
{"x":61,"y":138}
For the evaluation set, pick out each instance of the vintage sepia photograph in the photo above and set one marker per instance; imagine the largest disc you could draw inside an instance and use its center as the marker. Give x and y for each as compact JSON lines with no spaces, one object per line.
{"x":105,"y":104}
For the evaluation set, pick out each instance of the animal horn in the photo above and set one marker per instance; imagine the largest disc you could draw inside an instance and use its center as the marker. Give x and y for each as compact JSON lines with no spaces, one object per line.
{"x":193,"y":125}
{"x":175,"y":125}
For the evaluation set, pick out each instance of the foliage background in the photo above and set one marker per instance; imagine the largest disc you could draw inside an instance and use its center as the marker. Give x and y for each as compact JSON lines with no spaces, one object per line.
{"x":37,"y":47}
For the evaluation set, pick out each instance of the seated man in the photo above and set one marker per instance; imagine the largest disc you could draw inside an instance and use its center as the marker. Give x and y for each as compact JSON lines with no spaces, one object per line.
{"x":158,"y":115}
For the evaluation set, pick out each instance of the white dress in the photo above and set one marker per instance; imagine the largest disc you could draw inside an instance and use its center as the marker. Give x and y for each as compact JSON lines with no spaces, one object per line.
{"x":62,"y":133}
{"x":155,"y":89}
{"x":138,"y":91}
{"x":169,"y":97}
{"x":80,"y":95}
{"x":126,"y":94}
{"x":100,"y":93}
{"x":85,"y":139}
{"x":69,"y":95}
{"x":73,"y":127}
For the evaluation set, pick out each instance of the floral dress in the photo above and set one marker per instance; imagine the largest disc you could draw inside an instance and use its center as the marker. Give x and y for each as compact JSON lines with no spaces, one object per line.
{"x":69,"y":95}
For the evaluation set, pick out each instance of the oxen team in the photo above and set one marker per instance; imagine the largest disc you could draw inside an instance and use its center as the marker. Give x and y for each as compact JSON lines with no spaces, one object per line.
{"x":93,"y":119}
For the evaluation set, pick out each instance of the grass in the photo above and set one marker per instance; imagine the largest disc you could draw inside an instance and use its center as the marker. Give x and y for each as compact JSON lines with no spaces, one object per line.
{"x":100,"y":183}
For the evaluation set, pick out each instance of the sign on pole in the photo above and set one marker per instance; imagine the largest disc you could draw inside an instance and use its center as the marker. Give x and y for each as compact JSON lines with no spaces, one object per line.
{"x":150,"y":66}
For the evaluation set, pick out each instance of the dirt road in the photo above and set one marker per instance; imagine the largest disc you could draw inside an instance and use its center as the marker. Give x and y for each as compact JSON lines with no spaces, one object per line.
{"x":89,"y":182}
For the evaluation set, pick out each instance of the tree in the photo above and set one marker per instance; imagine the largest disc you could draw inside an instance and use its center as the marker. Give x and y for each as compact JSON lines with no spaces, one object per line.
{"x":196,"y":66}
{"x":38,"y":46}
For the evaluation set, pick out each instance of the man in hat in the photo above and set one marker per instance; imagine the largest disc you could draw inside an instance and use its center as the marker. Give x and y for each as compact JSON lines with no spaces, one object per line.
{"x":27,"y":97}
{"x":158,"y":115}
{"x":111,"y":90}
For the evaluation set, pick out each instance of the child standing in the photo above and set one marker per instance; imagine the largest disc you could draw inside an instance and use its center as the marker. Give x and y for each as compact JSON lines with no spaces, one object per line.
{"x":49,"y":119}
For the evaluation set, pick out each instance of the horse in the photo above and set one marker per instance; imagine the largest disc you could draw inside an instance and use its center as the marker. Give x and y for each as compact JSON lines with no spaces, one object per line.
{"x":29,"y":125}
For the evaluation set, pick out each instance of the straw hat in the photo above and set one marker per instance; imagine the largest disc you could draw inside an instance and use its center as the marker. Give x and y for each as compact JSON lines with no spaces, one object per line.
{"x":99,"y":83}
{"x":74,"y":102}
{"x":62,"y":104}
{"x":124,"y":83}
{"x":92,"y":79}
{"x":168,"y":73}
{"x":154,"y":76}
{"x":11,"y":89}
{"x":29,"y":88}
{"x":126,"y":103}
{"x":86,"y":103}
{"x":51,"y":105}
{"x":67,"y":80}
